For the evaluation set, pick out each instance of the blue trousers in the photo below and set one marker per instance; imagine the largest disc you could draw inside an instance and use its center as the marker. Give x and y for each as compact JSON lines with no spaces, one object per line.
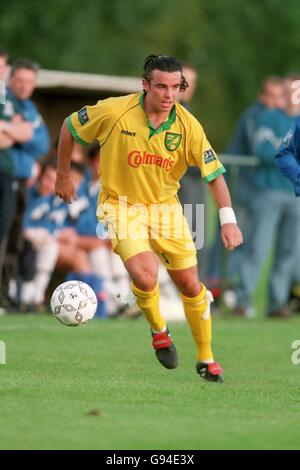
{"x":275,"y":224}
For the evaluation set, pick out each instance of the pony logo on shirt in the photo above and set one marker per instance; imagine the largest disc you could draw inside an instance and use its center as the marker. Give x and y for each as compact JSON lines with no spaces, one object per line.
{"x":172,"y":141}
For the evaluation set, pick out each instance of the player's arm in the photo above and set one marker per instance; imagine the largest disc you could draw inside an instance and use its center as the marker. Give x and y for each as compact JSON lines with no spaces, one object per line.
{"x":64,"y":187}
{"x":230,"y":232}
{"x":84,"y":126}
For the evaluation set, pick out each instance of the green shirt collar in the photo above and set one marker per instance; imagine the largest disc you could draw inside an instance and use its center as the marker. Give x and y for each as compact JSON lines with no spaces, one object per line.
{"x":164,"y":126}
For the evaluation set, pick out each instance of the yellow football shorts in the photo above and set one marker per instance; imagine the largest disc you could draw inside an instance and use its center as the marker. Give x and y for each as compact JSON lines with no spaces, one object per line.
{"x":161,"y":228}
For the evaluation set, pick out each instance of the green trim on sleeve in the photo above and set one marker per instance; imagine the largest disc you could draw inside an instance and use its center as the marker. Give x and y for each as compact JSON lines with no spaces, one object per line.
{"x":74,"y":132}
{"x":214,"y":175}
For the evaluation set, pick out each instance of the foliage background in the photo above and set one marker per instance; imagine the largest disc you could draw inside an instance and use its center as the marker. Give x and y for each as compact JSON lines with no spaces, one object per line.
{"x":232,"y":43}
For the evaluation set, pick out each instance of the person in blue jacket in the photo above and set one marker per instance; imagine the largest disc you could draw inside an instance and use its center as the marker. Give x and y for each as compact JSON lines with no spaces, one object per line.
{"x":288,"y":156}
{"x":270,"y":96}
{"x":287,"y":161}
{"x":276,"y":214}
{"x":21,"y":85}
{"x":13,"y":131}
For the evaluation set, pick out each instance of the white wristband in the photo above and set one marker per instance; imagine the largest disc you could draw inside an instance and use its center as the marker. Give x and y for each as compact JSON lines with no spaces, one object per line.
{"x":227,"y":216}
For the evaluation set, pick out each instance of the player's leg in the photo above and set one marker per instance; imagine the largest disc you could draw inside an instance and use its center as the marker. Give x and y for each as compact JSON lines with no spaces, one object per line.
{"x":128,"y":232}
{"x":134,"y":249}
{"x":178,"y":254}
{"x":196,"y":302}
{"x":196,"y":306}
{"x":143,"y":270}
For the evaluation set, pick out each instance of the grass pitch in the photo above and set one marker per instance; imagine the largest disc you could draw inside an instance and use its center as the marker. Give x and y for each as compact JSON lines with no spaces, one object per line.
{"x":101,"y":387}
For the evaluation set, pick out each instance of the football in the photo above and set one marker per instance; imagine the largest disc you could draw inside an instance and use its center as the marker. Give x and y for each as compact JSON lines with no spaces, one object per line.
{"x":73,"y":303}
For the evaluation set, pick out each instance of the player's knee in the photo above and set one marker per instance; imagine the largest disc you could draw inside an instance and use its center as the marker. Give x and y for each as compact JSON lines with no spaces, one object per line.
{"x":190,"y":287}
{"x":146,"y":281}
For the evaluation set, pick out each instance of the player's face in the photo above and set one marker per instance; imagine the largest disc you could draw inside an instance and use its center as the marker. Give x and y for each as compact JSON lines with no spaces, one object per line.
{"x":162,"y":91}
{"x":22,"y":83}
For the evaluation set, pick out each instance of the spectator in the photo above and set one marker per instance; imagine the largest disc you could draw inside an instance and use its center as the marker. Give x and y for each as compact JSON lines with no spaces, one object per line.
{"x":13,"y":131}
{"x":77,"y":239}
{"x":22,"y":81}
{"x":270,"y":96}
{"x":38,"y":228}
{"x":192,"y":189}
{"x":276,"y":214}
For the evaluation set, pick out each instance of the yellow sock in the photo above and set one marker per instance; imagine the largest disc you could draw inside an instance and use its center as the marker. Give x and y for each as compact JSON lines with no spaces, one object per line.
{"x":149,"y":304}
{"x":197,"y":313}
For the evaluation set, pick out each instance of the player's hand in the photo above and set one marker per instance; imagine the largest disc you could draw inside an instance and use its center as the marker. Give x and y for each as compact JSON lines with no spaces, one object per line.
{"x":65,"y":189}
{"x":231,"y":236}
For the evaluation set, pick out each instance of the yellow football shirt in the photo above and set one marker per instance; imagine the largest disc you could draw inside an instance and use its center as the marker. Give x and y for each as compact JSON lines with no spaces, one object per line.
{"x":138,"y":161}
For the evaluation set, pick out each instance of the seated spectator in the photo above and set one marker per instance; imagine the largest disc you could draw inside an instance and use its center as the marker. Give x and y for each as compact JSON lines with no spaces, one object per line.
{"x":91,"y":236}
{"x":54,"y":243}
{"x":37,"y":230}
{"x":73,"y":248}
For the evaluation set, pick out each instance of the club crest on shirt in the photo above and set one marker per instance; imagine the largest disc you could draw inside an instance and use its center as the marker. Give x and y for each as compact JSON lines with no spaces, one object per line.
{"x":209,"y":156}
{"x":83,"y":116}
{"x":172,"y":141}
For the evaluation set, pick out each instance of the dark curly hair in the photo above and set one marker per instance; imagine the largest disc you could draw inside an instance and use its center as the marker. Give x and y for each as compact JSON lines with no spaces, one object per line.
{"x":164,"y":63}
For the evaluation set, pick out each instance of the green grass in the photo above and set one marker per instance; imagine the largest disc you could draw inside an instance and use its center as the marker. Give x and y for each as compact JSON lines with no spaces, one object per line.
{"x":56,"y":375}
